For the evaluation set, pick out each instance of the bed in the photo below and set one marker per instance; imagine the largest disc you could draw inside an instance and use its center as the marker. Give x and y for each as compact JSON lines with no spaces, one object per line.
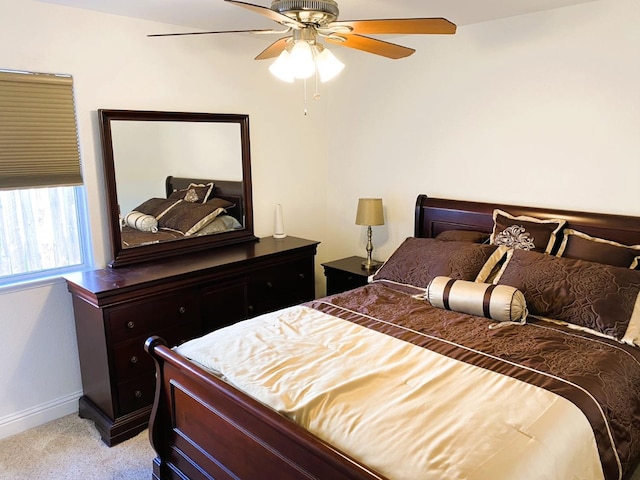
{"x":498,"y":342}
{"x":192,"y":207}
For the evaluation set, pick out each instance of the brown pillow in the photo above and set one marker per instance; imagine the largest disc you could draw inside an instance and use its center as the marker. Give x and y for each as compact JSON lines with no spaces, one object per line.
{"x":585,"y":247}
{"x":187,"y":218}
{"x":157,"y":207}
{"x":220,"y":203}
{"x":417,"y":261}
{"x":525,"y":233}
{"x":463,"y":236}
{"x":591,"y":295}
{"x":194,"y":193}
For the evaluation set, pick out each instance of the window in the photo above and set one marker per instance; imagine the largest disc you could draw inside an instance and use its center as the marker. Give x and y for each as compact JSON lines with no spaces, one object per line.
{"x":42,"y":216}
{"x":40,"y":231}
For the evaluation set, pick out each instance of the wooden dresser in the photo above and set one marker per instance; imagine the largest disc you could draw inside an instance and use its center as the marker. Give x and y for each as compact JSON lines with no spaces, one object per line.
{"x":180,"y":298}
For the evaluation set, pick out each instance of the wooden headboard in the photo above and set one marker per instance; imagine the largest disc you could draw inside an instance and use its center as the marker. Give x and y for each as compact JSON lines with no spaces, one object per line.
{"x":435,"y":215}
{"x":228,"y":190}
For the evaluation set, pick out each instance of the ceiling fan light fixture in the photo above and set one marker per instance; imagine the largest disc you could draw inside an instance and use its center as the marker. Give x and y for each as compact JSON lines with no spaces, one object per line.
{"x":328,"y":65}
{"x":281,"y":68}
{"x":301,"y":60}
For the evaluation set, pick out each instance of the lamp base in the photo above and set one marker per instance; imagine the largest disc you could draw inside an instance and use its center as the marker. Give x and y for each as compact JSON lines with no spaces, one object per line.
{"x":370,"y":265}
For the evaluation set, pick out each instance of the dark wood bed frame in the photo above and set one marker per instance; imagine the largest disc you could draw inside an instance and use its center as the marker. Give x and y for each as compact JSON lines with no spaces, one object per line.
{"x":203,"y":428}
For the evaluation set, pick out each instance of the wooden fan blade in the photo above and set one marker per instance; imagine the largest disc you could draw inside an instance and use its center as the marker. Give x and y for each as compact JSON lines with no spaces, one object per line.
{"x":210,"y":33}
{"x":274,"y":49}
{"x":398,"y":26}
{"x":373,"y":45}
{"x":267,"y":12}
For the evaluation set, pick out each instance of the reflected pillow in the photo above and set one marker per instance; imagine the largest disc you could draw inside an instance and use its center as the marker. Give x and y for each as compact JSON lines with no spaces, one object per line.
{"x":417,"y":261}
{"x":463,"y":236}
{"x":220,"y":203}
{"x":188,"y":218}
{"x":525,"y":233}
{"x":222,"y":223}
{"x":157,"y":207}
{"x":141,"y":221}
{"x":194,"y":193}
{"x":502,"y":303}
{"x":581,"y":246}
{"x":598,"y":297}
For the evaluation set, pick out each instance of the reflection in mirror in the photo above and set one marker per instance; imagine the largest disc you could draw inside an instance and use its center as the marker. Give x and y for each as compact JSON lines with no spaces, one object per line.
{"x":145,"y":153}
{"x":176,"y":182}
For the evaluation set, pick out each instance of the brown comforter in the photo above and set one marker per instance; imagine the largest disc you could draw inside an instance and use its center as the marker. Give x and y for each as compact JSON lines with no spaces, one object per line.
{"x":601,"y":376}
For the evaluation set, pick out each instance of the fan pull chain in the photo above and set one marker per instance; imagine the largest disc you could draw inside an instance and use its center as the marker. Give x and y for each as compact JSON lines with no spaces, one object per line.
{"x":305,"y":97}
{"x":316,"y":96}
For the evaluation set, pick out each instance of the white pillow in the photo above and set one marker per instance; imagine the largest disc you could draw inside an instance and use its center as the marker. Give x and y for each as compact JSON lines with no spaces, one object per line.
{"x":141,"y":221}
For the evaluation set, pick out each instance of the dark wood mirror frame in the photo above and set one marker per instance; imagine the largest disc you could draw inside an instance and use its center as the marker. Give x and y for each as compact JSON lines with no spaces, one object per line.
{"x":127,"y":256}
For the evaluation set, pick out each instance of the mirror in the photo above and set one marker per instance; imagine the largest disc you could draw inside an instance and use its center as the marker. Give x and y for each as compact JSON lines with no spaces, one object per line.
{"x":175,"y":182}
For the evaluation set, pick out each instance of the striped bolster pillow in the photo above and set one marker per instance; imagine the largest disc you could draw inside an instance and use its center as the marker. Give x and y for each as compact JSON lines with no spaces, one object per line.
{"x":502,"y":303}
{"x":141,"y":221}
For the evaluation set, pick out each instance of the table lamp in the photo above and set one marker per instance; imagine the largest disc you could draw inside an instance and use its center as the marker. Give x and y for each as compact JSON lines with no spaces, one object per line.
{"x":369,"y":214}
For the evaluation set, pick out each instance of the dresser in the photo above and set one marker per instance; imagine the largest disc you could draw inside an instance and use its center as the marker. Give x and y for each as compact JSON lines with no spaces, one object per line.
{"x":117,"y":309}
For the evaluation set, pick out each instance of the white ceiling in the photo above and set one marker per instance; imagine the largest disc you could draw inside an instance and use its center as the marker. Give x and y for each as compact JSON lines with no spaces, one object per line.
{"x":219,"y":15}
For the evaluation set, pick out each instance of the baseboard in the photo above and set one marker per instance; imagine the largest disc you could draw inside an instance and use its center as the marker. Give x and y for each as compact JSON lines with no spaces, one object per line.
{"x":39,"y":415}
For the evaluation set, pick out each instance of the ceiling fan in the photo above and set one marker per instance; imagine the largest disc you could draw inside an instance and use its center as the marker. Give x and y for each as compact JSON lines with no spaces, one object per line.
{"x":306,"y":20}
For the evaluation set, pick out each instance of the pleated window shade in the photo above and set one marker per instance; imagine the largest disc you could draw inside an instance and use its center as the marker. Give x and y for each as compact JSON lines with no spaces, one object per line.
{"x":38,"y":131}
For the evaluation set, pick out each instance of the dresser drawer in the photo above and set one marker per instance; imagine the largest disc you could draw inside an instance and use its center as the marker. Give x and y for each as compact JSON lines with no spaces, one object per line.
{"x":130,"y":359}
{"x":345,"y":274}
{"x":342,"y":281}
{"x":223,"y":304}
{"x":287,"y":284}
{"x":138,"y":319}
{"x":136,"y":393}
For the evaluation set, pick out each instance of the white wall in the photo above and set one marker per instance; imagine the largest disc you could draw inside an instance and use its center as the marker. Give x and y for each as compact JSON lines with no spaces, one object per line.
{"x":541,"y":109}
{"x":114,"y":65}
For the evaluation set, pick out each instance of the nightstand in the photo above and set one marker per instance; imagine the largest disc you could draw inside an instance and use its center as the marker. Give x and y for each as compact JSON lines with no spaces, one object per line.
{"x":345,"y":274}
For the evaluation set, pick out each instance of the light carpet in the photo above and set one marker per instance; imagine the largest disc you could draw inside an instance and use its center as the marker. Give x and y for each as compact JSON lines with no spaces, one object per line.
{"x":70,"y":448}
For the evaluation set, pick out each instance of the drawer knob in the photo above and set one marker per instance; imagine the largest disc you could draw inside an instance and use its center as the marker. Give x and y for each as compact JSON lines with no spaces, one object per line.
{"x":138,"y":393}
{"x":301,"y":276}
{"x":181,"y":310}
{"x":269,"y":284}
{"x":131,"y":324}
{"x":134,"y":360}
{"x":250,"y":308}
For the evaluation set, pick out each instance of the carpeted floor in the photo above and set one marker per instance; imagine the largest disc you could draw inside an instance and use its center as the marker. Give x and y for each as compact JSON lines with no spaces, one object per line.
{"x":70,"y":449}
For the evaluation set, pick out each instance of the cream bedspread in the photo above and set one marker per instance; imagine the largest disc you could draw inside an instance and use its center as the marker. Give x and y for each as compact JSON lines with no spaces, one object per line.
{"x":407,"y":412}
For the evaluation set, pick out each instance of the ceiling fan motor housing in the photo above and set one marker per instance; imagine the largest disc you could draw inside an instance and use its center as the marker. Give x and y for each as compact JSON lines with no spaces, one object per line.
{"x":317,"y":12}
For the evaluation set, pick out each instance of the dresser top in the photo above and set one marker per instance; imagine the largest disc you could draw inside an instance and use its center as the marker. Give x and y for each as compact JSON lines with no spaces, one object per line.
{"x":94,"y":283}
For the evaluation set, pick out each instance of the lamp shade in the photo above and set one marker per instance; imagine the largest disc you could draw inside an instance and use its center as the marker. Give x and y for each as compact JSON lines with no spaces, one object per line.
{"x":370,"y":212}
{"x":328,"y":65}
{"x":301,"y":60}
{"x":281,"y":68}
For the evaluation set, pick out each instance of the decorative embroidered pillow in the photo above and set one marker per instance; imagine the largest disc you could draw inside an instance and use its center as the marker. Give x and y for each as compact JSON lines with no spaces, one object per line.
{"x":418,"y":260}
{"x":581,"y":246}
{"x":498,"y":302}
{"x":194,"y":193}
{"x":525,"y":233}
{"x":598,"y":297}
{"x":141,"y":221}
